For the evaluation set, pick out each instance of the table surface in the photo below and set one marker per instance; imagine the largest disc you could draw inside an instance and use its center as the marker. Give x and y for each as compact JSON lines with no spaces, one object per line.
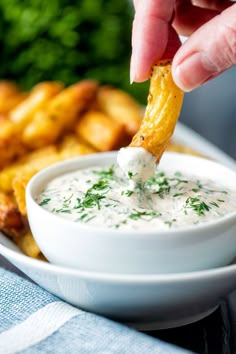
{"x":215,"y":334}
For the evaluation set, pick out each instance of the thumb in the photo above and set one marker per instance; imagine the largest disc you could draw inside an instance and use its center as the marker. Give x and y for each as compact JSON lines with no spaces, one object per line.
{"x":208,"y":52}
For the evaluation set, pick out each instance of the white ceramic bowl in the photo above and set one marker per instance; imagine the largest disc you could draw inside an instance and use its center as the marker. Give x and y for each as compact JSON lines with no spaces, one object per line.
{"x":66,"y":243}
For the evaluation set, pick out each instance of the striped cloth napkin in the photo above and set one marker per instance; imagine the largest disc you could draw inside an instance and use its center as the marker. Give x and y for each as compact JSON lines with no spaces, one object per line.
{"x":34,"y":321}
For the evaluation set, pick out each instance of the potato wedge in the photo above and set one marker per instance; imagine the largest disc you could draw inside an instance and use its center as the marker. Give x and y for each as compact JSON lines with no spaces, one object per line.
{"x":100,"y":131}
{"x":11,"y":146}
{"x":7,"y":89}
{"x":32,"y":162}
{"x":28,"y":245}
{"x":121,"y":107}
{"x":162,"y":111}
{"x":60,"y":114}
{"x":8,"y":94}
{"x":72,"y":146}
{"x":11,"y":102}
{"x":37,"y":99}
{"x":11,"y":221}
{"x":19,"y":184}
{"x":18,"y":178}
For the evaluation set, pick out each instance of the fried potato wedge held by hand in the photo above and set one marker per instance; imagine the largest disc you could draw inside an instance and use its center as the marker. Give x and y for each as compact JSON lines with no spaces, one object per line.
{"x":121,"y":107}
{"x":162,"y":111}
{"x":60,"y":114}
{"x":100,"y":131}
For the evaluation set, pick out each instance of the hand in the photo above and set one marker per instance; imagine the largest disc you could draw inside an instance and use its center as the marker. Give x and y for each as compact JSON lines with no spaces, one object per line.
{"x":210,"y":49}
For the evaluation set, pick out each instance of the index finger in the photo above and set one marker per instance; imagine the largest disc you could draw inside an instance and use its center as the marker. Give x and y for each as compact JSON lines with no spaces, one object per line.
{"x":149,"y":35}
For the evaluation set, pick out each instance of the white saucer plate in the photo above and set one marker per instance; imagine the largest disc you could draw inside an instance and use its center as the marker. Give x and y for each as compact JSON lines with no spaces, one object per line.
{"x":145,"y":302}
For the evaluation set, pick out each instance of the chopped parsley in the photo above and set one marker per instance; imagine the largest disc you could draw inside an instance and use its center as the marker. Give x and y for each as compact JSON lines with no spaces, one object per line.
{"x":161,"y":184}
{"x":136,"y":215}
{"x":45,"y":201}
{"x":214,"y":204}
{"x":90,"y":200}
{"x":170,"y":222}
{"x":200,"y":207}
{"x":63,"y":210}
{"x":178,"y":194}
{"x":106,"y":173}
{"x":178,"y":181}
{"x":201,"y":186}
{"x":130,"y":174}
{"x":85,"y":217}
{"x":128,"y":192}
{"x":99,"y":186}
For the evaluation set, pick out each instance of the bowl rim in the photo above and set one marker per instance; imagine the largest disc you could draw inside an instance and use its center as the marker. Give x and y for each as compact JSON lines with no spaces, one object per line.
{"x":126,"y":278}
{"x":35,"y":182}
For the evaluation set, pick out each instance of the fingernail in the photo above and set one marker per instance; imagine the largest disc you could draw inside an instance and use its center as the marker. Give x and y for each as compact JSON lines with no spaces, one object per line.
{"x":194,"y":71}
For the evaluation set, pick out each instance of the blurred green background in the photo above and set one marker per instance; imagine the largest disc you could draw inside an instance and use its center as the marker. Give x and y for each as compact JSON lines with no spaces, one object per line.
{"x":67,"y":40}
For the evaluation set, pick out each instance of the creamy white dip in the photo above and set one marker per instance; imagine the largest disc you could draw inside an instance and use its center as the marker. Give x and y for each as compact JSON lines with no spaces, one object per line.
{"x":138,"y":162}
{"x":102,"y":197}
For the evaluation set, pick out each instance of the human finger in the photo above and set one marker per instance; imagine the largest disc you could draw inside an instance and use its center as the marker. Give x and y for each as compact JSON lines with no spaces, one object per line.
{"x":208,"y":52}
{"x":188,"y":18}
{"x":149,"y":35}
{"x":192,"y":14}
{"x":135,"y":2}
{"x":218,"y":5}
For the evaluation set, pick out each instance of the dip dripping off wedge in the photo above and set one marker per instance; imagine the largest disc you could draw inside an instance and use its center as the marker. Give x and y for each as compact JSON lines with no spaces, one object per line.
{"x":162,"y":112}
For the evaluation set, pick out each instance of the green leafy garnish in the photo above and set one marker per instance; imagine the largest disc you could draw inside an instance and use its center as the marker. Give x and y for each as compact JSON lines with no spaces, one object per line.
{"x":85,"y":217}
{"x":130,"y":174}
{"x":90,"y":200}
{"x":128,"y":193}
{"x":99,"y":186}
{"x":178,"y":181}
{"x":63,"y":210}
{"x":214,"y":204}
{"x":169,"y":222}
{"x":197,"y":205}
{"x":178,"y":194}
{"x":161,"y":182}
{"x":136,"y":215}
{"x":45,"y":201}
{"x":105,"y":174}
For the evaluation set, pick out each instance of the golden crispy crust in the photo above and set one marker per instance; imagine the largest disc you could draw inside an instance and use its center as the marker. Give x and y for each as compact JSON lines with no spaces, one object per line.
{"x":11,"y":221}
{"x":162,"y":111}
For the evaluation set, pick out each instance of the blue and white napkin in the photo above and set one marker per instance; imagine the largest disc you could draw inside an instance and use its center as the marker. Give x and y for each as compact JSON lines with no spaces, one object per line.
{"x":34,"y":321}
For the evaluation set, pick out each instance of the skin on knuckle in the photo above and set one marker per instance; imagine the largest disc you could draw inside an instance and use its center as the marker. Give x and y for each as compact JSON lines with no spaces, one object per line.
{"x":228,"y":43}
